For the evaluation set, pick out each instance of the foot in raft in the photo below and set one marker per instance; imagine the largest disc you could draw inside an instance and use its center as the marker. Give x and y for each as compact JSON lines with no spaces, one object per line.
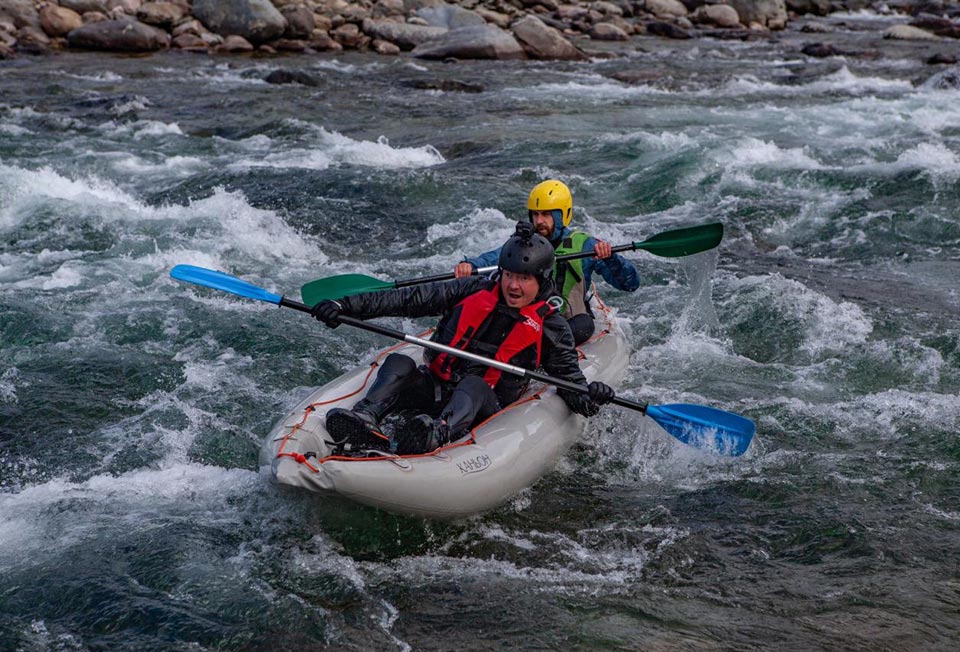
{"x":355,"y":431}
{"x":422,"y":434}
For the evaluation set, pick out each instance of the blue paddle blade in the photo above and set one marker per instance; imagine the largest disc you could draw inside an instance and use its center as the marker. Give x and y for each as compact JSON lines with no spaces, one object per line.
{"x":220,"y":281}
{"x":705,"y":427}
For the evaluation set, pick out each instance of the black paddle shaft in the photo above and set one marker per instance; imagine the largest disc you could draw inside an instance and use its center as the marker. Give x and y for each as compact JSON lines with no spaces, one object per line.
{"x":436,"y":346}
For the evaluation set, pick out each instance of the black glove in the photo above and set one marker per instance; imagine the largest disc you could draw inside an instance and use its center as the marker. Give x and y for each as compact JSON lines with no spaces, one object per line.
{"x":600,"y":393}
{"x":327,"y":311}
{"x":581,"y":404}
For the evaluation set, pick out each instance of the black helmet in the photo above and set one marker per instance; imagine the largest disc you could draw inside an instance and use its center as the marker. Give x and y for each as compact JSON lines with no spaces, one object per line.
{"x":527,"y":252}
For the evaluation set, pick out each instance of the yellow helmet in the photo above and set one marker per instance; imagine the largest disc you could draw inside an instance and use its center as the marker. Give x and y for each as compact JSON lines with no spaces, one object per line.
{"x":552,"y":195}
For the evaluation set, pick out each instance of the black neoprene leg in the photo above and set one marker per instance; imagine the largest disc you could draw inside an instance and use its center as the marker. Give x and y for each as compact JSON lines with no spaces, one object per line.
{"x":398,"y":377}
{"x":472,"y":401}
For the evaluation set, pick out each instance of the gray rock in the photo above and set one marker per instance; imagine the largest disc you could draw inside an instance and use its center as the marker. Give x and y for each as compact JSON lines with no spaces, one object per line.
{"x":815,"y":7}
{"x":405,"y":35}
{"x":119,"y":35}
{"x":300,"y":21}
{"x":544,"y":42}
{"x":608,"y":32}
{"x":449,"y":16}
{"x":84,"y":6}
{"x":255,"y":20}
{"x":478,"y":42}
{"x":22,"y":12}
{"x":160,"y":14}
{"x":772,"y":13}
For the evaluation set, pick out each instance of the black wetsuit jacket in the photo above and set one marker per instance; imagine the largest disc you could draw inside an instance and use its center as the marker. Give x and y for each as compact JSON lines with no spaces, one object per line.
{"x":558,"y":357}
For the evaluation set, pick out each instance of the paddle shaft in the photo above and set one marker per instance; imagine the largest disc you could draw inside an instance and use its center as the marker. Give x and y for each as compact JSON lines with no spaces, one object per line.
{"x":466,"y":355}
{"x":486,"y":270}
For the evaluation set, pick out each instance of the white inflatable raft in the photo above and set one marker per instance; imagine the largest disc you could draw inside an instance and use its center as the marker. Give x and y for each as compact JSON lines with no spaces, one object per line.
{"x":502,"y":456}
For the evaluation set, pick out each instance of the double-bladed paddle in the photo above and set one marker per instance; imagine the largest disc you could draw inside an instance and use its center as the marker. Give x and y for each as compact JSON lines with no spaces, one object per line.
{"x":696,"y":425}
{"x":669,"y":244}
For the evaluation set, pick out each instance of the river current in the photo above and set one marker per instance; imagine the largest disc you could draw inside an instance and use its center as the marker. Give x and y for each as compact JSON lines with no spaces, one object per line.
{"x":133,"y":407}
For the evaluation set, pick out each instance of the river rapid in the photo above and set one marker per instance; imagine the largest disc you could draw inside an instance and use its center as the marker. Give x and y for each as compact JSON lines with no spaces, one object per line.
{"x":133,"y":407}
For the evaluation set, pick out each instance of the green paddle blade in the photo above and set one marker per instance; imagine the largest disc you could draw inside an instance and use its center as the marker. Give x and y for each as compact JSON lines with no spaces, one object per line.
{"x":337,"y":287}
{"x":683,"y":242}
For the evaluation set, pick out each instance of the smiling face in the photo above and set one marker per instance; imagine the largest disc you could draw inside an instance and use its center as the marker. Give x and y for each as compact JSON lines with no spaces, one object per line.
{"x":518,"y":290}
{"x":543,"y":223}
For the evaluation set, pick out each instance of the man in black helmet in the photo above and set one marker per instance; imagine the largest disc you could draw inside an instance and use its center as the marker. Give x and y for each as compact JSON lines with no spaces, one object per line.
{"x":508,"y":317}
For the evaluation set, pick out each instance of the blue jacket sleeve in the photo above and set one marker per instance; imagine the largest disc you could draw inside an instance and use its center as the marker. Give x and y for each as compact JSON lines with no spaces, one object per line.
{"x":487,"y":259}
{"x":615,"y":270}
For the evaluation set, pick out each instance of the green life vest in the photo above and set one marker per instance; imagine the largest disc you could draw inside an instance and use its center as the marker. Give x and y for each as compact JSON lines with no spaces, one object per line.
{"x":569,"y":275}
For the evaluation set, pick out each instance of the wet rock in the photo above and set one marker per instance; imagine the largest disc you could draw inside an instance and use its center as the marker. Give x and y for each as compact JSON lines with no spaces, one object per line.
{"x":642,"y":76}
{"x":282,"y":76}
{"x":119,"y":35}
{"x":909,"y":33}
{"x":667,"y":30}
{"x":477,"y":42}
{"x":946,"y":80}
{"x":541,"y":41}
{"x":255,"y":20}
{"x":939,"y":25}
{"x":821,"y":50}
{"x":941,"y":58}
{"x":445,"y":85}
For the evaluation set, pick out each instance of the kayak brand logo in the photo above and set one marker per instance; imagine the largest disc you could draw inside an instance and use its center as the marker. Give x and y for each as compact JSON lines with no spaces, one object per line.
{"x":474,"y":464}
{"x":532,"y":324}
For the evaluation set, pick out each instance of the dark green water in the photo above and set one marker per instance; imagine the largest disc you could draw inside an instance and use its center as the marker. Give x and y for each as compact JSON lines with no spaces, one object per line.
{"x":132,"y":407}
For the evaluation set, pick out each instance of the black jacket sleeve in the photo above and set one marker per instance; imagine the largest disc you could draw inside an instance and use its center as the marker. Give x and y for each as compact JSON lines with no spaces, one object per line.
{"x":559,"y":358}
{"x":415,"y":300}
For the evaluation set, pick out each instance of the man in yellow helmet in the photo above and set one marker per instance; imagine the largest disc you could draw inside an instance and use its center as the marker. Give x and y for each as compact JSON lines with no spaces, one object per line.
{"x":550,"y":207}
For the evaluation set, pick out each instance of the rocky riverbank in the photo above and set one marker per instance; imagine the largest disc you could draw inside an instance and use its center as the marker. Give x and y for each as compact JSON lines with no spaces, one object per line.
{"x":433,"y":29}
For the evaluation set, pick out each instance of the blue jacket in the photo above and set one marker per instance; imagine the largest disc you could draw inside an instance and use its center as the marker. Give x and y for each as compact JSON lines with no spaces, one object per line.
{"x":615,"y":270}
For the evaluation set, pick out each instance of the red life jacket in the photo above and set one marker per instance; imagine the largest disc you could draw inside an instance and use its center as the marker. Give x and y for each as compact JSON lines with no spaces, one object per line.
{"x":474,"y":311}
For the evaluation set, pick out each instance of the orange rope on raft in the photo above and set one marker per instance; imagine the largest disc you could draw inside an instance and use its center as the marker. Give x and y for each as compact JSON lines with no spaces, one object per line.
{"x":299,"y":457}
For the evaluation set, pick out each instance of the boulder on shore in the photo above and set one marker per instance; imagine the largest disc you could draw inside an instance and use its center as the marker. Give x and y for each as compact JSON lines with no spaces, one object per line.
{"x":127,"y":35}
{"x":255,"y":20}
{"x":544,"y":42}
{"x":477,"y":42}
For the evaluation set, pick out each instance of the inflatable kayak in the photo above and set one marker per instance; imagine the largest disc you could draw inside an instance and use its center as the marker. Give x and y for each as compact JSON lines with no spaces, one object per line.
{"x":501,"y":456}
